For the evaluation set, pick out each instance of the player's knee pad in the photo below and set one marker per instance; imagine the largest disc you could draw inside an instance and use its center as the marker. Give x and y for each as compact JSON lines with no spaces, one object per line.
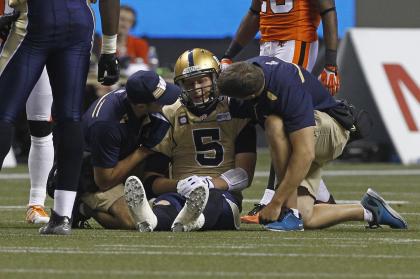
{"x":39,"y":129}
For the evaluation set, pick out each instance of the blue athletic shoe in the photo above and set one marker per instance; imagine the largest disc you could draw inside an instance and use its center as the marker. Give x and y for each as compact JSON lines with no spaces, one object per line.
{"x":382,"y":213}
{"x":289,"y":222}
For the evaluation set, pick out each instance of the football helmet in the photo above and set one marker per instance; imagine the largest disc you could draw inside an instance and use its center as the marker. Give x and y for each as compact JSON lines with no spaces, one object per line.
{"x":193,"y":64}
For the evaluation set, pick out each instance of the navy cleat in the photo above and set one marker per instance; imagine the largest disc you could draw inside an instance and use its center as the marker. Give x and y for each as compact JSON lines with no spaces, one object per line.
{"x":382,"y":213}
{"x":60,"y":225}
{"x":288,"y":222}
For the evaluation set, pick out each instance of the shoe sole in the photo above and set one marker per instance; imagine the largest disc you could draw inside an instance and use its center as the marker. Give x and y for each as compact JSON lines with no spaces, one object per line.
{"x":195,"y":204}
{"x":391,"y":211}
{"x":274,"y":230}
{"x":250,"y":219}
{"x":135,"y":195}
{"x":46,"y":230}
{"x":39,"y":220}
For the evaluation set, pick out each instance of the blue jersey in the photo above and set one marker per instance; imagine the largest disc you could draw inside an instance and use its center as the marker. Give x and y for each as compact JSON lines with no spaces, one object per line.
{"x":290,"y":92}
{"x":112,"y":131}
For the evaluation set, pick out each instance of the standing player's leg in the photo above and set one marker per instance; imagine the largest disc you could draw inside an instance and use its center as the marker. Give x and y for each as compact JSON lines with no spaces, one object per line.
{"x":67,"y":69}
{"x":20,"y":68}
{"x":41,"y":153}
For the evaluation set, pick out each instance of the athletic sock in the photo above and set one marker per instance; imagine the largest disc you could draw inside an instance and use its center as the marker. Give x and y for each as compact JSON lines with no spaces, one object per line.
{"x":367,"y":215}
{"x":268,"y":195}
{"x":63,"y":202}
{"x":323,"y":194}
{"x":40,"y":161}
{"x":295,"y":212}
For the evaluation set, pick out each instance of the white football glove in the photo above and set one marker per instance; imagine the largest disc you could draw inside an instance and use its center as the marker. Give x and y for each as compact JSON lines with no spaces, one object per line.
{"x":185,"y":186}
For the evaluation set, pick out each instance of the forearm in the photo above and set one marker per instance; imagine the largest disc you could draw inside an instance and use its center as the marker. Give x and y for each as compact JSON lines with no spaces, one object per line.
{"x":297,"y":169}
{"x":163,"y":185}
{"x":246,"y":32}
{"x":110,"y":13}
{"x":330,"y":30}
{"x":108,"y":178}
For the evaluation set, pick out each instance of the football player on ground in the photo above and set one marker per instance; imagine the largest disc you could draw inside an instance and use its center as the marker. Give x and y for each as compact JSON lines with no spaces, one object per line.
{"x":119,"y":129}
{"x":289,"y":32}
{"x":211,"y":151}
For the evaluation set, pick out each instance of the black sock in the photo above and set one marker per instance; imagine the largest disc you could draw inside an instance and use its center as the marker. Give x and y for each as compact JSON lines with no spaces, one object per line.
{"x":271,"y":179}
{"x":6,"y":136}
{"x":166,"y":215}
{"x":69,"y":155}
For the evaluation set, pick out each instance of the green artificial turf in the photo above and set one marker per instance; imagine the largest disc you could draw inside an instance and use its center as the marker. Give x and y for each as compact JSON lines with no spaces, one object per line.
{"x":344,"y":251}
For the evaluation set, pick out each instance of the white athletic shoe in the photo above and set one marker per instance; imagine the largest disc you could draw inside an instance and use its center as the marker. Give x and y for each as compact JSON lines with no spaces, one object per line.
{"x":145,"y":219}
{"x":190,"y":217}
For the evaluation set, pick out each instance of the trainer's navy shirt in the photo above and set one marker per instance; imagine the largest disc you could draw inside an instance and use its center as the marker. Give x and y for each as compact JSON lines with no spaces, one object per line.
{"x":290,"y":92}
{"x":112,"y":131}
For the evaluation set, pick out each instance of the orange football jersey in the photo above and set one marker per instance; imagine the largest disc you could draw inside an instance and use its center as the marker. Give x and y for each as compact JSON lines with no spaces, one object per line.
{"x":2,"y":4}
{"x":283,"y":20}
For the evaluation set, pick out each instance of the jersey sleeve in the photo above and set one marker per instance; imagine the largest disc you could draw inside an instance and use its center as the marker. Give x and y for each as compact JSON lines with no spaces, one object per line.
{"x":165,"y":145}
{"x":154,"y":131}
{"x":105,"y":144}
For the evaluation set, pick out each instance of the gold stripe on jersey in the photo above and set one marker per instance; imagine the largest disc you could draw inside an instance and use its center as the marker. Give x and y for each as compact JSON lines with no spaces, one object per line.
{"x":15,"y":38}
{"x":203,"y":146}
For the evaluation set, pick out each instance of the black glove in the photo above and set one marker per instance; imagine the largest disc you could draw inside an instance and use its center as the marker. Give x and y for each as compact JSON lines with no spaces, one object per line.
{"x":108,"y":63}
{"x":6,"y":21}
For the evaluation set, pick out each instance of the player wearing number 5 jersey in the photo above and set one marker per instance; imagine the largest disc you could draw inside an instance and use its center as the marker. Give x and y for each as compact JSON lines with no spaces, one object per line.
{"x":207,"y":146}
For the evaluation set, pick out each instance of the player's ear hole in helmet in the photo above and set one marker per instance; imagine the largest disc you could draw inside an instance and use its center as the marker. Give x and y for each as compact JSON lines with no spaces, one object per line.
{"x":196,"y":72}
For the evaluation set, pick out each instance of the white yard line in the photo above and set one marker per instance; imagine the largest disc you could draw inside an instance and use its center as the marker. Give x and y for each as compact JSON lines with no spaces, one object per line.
{"x":200,"y":274}
{"x":391,"y":172}
{"x":338,"y":201}
{"x":13,"y":176}
{"x":76,"y":251}
{"x":356,"y":172}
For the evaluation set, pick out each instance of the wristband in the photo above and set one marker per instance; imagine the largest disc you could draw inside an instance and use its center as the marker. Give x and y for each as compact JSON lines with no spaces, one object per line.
{"x":331,"y":57}
{"x":109,"y":44}
{"x":233,"y":50}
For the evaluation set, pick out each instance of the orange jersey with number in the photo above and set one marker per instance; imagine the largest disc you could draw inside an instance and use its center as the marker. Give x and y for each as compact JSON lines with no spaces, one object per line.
{"x":283,"y":20}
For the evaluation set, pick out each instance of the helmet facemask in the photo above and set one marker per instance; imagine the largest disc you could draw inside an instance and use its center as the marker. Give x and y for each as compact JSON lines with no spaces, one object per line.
{"x":199,"y":98}
{"x":196,"y":72}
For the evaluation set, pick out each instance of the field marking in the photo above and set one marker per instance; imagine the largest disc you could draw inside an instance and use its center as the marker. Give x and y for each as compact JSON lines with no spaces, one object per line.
{"x":13,"y":176}
{"x":338,"y":201}
{"x":391,"y":172}
{"x":199,"y":274}
{"x":356,"y":172}
{"x":230,"y":246}
{"x":76,"y":251}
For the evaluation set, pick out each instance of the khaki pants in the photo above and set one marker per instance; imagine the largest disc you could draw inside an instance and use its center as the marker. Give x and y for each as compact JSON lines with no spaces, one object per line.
{"x":330,"y":140}
{"x":102,"y":201}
